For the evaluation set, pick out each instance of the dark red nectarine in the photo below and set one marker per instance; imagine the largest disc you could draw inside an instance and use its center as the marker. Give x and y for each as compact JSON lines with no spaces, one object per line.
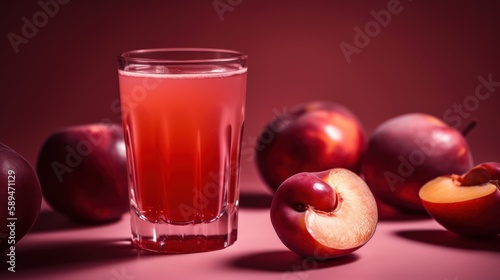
{"x":21,"y":197}
{"x":83,"y":172}
{"x":406,"y":152}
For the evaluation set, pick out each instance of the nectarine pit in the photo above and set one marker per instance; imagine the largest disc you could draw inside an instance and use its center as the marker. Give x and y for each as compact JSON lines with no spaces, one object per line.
{"x":481,"y":174}
{"x":312,"y":192}
{"x":300,"y":207}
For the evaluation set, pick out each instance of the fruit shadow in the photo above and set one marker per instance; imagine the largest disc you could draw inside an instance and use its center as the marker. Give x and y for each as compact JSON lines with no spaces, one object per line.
{"x":402,"y":216}
{"x":449,"y":239}
{"x":255,"y":200}
{"x":286,"y":261}
{"x":52,"y":221}
{"x":390,"y":213}
{"x":70,"y":255}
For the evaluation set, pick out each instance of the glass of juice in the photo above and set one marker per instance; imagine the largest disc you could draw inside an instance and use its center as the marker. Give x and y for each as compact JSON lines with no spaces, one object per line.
{"x":183,"y":112}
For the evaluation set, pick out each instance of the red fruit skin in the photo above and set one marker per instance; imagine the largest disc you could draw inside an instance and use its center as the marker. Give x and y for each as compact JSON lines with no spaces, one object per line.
{"x":310,"y":137}
{"x":475,"y":218}
{"x":406,"y":152}
{"x":303,"y":189}
{"x":83,"y":172}
{"x":27,"y":195}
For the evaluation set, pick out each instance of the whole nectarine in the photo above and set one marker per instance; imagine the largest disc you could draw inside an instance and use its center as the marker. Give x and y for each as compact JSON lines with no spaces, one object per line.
{"x":83,"y":172}
{"x":21,"y":197}
{"x":405,"y":152}
{"x":309,"y":137}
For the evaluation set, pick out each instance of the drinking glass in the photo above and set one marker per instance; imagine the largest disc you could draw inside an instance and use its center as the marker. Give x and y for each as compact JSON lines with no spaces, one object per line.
{"x":183,"y":112}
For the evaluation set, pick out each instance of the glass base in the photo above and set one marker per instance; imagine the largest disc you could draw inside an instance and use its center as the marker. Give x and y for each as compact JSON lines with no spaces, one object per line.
{"x":190,"y":238}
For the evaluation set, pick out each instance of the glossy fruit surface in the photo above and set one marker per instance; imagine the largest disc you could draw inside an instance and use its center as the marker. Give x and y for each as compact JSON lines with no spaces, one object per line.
{"x":310,"y":137}
{"x":83,"y":172}
{"x":406,"y":152}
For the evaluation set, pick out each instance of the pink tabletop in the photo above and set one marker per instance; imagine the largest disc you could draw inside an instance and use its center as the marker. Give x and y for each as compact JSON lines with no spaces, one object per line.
{"x":400,"y":249}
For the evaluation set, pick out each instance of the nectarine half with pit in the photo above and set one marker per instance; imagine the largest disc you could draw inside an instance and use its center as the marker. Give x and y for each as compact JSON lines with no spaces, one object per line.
{"x":324,"y":214}
{"x":468,"y":204}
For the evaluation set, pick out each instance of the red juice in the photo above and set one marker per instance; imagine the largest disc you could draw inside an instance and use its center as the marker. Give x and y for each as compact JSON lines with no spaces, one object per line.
{"x":183,"y":132}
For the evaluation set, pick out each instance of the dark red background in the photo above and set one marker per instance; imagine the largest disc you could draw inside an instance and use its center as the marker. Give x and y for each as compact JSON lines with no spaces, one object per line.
{"x":427,"y":59}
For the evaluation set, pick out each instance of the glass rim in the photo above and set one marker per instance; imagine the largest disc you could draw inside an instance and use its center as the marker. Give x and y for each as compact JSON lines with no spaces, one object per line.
{"x":233,"y":56}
